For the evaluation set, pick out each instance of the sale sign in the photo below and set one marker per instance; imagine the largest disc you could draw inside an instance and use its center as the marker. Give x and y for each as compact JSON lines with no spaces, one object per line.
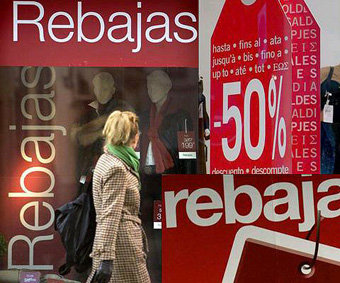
{"x":124,"y":33}
{"x":246,"y":228}
{"x":306,"y":87}
{"x":251,"y":89}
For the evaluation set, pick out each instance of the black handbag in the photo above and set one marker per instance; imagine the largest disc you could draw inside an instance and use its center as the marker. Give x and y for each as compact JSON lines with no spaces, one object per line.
{"x":76,"y":224}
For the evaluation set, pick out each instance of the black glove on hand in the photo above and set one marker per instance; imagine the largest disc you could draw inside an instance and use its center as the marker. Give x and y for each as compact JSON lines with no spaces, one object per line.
{"x":104,"y":272}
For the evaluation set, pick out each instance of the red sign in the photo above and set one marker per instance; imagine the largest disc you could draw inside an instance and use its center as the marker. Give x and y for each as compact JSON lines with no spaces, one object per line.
{"x":251,"y":89}
{"x":246,"y":228}
{"x":306,"y":87}
{"x":99,"y":33}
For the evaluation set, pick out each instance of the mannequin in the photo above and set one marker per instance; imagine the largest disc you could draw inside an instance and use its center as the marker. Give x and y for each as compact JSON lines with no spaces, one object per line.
{"x":170,"y":119}
{"x":88,"y":135}
{"x":159,"y":85}
{"x":330,"y":132}
{"x":159,"y":155}
{"x":104,"y":89}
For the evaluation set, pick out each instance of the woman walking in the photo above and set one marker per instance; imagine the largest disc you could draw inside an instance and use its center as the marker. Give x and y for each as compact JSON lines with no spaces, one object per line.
{"x":119,"y":249}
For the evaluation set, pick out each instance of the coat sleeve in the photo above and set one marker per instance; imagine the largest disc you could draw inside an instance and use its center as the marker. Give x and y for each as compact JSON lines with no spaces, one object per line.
{"x":113,"y":189}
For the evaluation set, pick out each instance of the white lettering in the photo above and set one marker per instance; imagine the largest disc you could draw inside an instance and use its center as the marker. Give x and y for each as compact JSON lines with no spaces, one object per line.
{"x":186,"y":27}
{"x":35,"y":98}
{"x":52,"y":26}
{"x":31,"y":245}
{"x":28,"y":193}
{"x":308,"y":202}
{"x":36,"y":141}
{"x":230,"y":195}
{"x":170,"y":206}
{"x":126,"y":26}
{"x":36,"y":21}
{"x":81,"y":18}
{"x":35,"y":81}
{"x":292,"y":199}
{"x":164,"y":26}
{"x":323,"y":204}
{"x":192,"y":207}
{"x":36,"y":226}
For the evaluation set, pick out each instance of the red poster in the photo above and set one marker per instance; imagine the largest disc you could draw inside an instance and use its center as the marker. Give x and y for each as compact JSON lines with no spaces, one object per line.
{"x":306,"y":87}
{"x":247,"y":228}
{"x":251,"y":89}
{"x":99,"y":33}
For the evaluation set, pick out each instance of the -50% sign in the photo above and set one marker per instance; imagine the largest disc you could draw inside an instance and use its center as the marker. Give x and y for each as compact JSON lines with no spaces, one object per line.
{"x":267,"y":101}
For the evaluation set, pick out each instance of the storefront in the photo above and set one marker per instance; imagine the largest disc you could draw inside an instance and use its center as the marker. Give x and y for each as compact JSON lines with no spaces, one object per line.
{"x":65,"y":66}
{"x":229,"y":87}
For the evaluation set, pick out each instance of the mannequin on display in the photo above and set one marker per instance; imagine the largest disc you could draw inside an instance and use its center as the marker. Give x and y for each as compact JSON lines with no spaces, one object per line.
{"x":160,"y":155}
{"x":159,"y":141}
{"x":330,"y":132}
{"x":88,"y":135}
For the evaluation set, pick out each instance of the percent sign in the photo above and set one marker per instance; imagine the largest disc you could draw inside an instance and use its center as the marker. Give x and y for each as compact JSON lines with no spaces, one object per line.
{"x":254,"y":87}
{"x":274,"y":101}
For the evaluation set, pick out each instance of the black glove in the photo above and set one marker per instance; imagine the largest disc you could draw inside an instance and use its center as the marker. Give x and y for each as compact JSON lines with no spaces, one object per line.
{"x":104,"y":272}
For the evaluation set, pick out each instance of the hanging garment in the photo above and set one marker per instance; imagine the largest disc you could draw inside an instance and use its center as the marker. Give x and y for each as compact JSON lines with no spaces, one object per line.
{"x":330,"y":132}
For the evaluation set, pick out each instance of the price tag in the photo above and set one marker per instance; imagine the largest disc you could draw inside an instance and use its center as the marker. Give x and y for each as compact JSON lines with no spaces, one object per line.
{"x":251,"y":89}
{"x":186,"y":145}
{"x":328,"y":113}
{"x":157,"y":214}
{"x":306,"y":87}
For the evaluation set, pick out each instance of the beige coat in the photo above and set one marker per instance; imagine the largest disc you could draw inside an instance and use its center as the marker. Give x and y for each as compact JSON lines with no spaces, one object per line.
{"x":119,"y":234}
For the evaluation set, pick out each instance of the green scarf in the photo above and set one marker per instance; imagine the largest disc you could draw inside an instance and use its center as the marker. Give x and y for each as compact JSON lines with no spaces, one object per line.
{"x":127,"y":155}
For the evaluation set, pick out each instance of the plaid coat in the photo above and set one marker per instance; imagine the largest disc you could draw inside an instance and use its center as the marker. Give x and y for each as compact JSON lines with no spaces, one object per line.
{"x":119,"y":234}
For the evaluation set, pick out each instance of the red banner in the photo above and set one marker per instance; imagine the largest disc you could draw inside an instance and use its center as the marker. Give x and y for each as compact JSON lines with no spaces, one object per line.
{"x":251,"y":89}
{"x":99,"y":33}
{"x":251,"y":228}
{"x":306,"y":87}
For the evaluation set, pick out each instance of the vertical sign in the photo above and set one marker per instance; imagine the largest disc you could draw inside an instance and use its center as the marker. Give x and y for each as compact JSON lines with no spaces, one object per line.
{"x":251,"y":89}
{"x":306,"y":87}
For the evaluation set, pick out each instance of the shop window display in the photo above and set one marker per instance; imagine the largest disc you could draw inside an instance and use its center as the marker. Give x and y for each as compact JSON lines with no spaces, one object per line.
{"x":64,"y":68}
{"x":53,"y":118}
{"x":78,"y":102}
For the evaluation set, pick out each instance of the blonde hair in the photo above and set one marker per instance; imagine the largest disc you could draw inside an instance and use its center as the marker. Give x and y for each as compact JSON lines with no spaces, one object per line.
{"x":121,"y":128}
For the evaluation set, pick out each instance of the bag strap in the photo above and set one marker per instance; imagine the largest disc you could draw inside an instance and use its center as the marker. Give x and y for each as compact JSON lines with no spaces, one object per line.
{"x":64,"y":269}
{"x":86,"y":187}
